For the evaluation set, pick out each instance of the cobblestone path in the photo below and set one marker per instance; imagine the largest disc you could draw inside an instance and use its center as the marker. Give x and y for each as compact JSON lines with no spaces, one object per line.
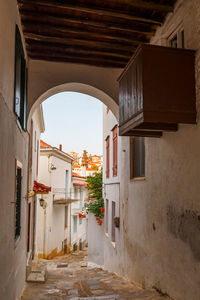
{"x":68,"y":277}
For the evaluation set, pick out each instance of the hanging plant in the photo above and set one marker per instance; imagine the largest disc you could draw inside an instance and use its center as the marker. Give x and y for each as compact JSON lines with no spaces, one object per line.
{"x":96,"y":207}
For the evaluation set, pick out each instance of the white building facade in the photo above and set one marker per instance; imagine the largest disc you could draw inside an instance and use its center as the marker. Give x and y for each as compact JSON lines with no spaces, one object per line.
{"x":53,"y":219}
{"x":79,"y":224}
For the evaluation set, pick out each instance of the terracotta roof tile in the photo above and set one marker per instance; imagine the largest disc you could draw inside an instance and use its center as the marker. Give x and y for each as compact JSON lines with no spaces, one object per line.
{"x":44,"y":145}
{"x":41,"y":188}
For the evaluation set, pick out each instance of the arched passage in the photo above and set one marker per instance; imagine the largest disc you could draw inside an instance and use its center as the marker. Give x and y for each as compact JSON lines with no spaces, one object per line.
{"x":79,"y":88}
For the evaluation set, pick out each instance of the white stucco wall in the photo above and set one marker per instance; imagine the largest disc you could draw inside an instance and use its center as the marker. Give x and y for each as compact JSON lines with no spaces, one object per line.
{"x":159,"y":217}
{"x":95,"y":241}
{"x":13,"y":146}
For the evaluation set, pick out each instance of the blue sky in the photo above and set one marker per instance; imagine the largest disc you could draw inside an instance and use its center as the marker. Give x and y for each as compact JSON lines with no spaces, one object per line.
{"x":75,"y":121}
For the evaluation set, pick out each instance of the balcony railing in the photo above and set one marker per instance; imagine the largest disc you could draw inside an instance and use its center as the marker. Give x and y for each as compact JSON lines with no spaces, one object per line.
{"x":61,"y":196}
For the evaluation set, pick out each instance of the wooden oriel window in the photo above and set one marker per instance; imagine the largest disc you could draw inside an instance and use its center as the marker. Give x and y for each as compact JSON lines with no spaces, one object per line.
{"x":107,"y":156}
{"x":114,"y":151}
{"x":20,"y":81}
{"x":137,"y":157}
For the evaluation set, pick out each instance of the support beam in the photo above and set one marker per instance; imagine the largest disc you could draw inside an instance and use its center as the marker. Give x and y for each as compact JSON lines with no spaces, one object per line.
{"x":94,"y":11}
{"x":61,"y":31}
{"x":47,"y":18}
{"x":158,"y":126}
{"x":154,"y":134}
{"x":89,"y":61}
{"x":73,"y":51}
{"x":78,"y":42}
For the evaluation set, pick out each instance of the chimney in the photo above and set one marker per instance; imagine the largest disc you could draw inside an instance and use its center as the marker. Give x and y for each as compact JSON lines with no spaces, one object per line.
{"x":60,"y":147}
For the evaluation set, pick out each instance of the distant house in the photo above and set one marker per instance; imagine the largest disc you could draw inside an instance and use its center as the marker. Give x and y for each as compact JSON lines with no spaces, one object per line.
{"x":53,"y":215}
{"x":79,"y":224}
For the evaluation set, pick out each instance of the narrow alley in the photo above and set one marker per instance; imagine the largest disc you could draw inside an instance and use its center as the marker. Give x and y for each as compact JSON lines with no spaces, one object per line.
{"x":68,"y":277}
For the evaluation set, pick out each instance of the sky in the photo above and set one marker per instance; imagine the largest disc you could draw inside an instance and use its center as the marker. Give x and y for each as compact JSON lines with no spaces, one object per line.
{"x":75,"y":121}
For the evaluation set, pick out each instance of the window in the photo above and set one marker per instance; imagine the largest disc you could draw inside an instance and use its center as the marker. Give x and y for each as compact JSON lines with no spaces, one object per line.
{"x":20,"y":81}
{"x":114,"y":151}
{"x":80,"y":221}
{"x":107,"y":203}
{"x":137,"y":157}
{"x":177,"y":40}
{"x":81,"y":197}
{"x":18,"y":200}
{"x":107,"y":157}
{"x":66,"y":216}
{"x":113,"y":224}
{"x":75,"y":224}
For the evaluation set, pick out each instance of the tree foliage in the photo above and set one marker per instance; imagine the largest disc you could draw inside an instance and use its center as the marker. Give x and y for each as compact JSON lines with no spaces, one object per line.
{"x":94,"y":186}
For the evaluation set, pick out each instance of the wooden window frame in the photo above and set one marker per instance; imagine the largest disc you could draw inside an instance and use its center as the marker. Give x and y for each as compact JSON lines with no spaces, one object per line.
{"x":115,"y":149}
{"x":20,"y":83}
{"x":141,"y":175}
{"x":18,"y":199}
{"x":179,"y":33}
{"x":108,"y":156}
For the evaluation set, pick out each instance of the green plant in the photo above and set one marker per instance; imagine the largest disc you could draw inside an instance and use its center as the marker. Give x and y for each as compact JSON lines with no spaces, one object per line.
{"x":97,"y":208}
{"x":94,"y":186}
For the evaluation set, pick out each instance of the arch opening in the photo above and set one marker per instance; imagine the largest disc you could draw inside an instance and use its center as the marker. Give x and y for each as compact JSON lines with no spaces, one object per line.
{"x":78,"y":88}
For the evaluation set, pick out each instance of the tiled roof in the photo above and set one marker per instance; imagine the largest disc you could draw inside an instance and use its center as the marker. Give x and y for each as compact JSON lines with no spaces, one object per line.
{"x":41,"y":188}
{"x":76,"y":175}
{"x":80,"y":184}
{"x":44,"y":145}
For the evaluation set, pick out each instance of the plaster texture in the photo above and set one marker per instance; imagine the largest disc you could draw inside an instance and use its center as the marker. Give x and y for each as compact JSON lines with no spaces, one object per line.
{"x":160,"y":216}
{"x":95,"y":241}
{"x":13,"y":146}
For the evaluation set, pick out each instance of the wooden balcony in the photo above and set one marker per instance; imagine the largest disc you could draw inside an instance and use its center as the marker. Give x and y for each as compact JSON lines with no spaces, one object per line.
{"x":157,"y":91}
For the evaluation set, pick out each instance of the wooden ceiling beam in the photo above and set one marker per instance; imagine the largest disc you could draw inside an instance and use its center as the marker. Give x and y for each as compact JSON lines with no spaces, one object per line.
{"x":47,"y":18}
{"x":78,"y":60}
{"x":70,"y":50}
{"x":95,"y":11}
{"x":78,"y":42}
{"x":60,"y":31}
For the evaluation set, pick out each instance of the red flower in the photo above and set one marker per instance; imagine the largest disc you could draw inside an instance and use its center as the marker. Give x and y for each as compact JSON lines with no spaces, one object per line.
{"x":100,"y":223}
{"x":102,"y":209}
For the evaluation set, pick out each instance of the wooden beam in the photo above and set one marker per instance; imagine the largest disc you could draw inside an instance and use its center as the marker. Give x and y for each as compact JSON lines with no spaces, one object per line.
{"x":95,"y":11}
{"x":77,"y":42}
{"x":149,"y":5}
{"x":48,"y":18}
{"x":147,"y":133}
{"x":61,"y":31}
{"x":158,"y":126}
{"x":94,"y":62}
{"x":73,"y":46}
{"x":73,"y":51}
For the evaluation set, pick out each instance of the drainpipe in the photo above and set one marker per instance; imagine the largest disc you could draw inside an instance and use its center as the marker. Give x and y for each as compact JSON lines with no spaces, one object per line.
{"x":44,"y":237}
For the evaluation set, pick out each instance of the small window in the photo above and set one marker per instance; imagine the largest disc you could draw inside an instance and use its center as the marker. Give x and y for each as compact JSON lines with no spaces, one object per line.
{"x":80,"y":221}
{"x":20,"y":81}
{"x":113,"y":224}
{"x":108,"y":157}
{"x":18,"y":201}
{"x":137,"y":157}
{"x":177,"y":40}
{"x":75,"y":224}
{"x":66,"y":216}
{"x":114,"y":151}
{"x":107,"y":210}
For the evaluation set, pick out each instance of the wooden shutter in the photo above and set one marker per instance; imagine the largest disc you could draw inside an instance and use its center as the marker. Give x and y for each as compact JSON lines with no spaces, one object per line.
{"x":107,"y":157}
{"x":17,"y":72}
{"x":20,"y":99}
{"x":115,"y":151}
{"x":18,"y":203}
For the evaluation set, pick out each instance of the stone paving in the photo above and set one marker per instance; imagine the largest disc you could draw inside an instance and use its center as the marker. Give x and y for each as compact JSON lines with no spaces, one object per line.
{"x":68,"y":277}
